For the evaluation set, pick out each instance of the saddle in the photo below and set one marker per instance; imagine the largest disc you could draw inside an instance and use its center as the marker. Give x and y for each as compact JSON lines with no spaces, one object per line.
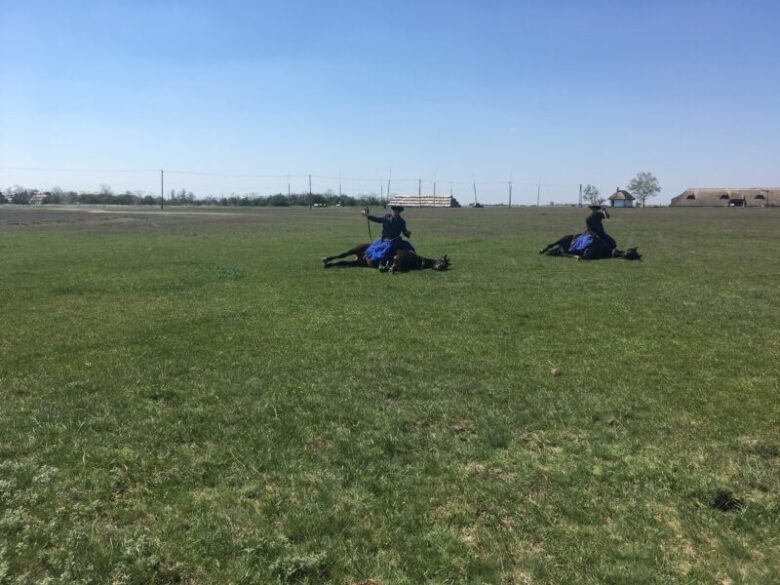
{"x":581,"y":243}
{"x":383,"y":251}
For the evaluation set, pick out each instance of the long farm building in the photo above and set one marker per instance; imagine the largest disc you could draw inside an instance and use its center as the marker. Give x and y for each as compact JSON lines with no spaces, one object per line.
{"x":752,"y":197}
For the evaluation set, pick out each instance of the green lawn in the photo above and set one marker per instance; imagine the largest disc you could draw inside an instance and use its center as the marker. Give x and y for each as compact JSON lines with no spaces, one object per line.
{"x":188,"y":397}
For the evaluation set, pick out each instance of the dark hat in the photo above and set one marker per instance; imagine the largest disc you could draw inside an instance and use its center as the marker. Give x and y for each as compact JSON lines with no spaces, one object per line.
{"x":595,"y":206}
{"x":398,"y":208}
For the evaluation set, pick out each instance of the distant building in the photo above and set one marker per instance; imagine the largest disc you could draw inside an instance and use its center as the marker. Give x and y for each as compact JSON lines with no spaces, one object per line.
{"x":621,"y":198}
{"x":753,"y":197}
{"x":424,"y":201}
{"x":38,"y":197}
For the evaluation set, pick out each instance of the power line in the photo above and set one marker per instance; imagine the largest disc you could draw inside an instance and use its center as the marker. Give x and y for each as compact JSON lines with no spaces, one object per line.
{"x":288,"y":176}
{"x":51,"y":170}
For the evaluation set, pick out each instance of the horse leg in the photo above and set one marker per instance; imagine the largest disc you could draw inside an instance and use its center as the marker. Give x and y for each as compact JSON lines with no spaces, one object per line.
{"x":406,"y":260}
{"x":356,"y":251}
{"x":596,"y":252}
{"x":343,"y":264}
{"x":327,"y":259}
{"x":563,"y":243}
{"x":557,"y":250}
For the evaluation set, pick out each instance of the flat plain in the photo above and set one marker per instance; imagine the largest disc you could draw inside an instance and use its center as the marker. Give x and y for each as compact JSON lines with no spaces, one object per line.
{"x":186,"y":396}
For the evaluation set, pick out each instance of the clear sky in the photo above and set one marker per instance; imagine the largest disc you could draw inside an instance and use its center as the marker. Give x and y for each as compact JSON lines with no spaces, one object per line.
{"x":233,"y":96}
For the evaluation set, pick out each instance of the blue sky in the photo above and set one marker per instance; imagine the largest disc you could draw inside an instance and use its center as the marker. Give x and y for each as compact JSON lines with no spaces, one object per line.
{"x":234,"y":96}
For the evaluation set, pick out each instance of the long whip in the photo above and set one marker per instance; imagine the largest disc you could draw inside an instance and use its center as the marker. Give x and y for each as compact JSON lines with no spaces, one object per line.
{"x":368,"y":223}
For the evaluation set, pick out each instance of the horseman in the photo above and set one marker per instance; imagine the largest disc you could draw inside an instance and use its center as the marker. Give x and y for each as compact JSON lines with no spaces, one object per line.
{"x":594,"y":223}
{"x":393,"y":226}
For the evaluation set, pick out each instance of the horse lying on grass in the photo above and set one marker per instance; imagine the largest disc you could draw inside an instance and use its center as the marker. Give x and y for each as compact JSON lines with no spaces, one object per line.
{"x":596,"y":251}
{"x":402,"y":261}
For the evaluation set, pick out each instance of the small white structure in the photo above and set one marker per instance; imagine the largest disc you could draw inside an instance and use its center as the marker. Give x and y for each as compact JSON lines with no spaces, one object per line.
{"x":621,"y":198}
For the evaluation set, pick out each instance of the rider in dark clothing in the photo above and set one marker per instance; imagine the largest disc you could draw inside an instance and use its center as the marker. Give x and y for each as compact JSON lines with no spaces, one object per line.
{"x":393,"y":225}
{"x":595,"y":225}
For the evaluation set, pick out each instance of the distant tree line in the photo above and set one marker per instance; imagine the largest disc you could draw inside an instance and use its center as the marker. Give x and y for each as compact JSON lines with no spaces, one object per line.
{"x":106,"y":196}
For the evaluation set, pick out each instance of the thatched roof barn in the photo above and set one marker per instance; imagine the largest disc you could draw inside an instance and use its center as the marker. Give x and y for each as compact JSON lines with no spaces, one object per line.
{"x":424,"y":201}
{"x":753,"y":197}
{"x":621,"y":198}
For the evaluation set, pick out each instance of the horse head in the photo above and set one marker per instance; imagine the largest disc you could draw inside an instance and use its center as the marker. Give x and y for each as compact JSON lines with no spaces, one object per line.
{"x":629,"y":254}
{"x":632,"y":254}
{"x":441,"y":263}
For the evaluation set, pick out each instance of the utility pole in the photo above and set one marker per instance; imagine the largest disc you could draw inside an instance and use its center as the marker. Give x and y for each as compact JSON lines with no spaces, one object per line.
{"x":387,"y":198}
{"x":288,"y":186}
{"x":309,"y":191}
{"x":419,"y":191}
{"x":580,"y":194}
{"x":510,"y":194}
{"x":474,"y":182}
{"x":538,"y":191}
{"x":162,"y":190}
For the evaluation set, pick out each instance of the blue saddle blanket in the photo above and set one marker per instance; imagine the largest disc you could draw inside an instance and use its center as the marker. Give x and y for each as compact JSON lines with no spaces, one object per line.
{"x":581,"y":243}
{"x":381,"y":251}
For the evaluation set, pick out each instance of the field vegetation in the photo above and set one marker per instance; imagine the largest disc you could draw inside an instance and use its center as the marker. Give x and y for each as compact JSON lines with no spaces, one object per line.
{"x":188,"y":397}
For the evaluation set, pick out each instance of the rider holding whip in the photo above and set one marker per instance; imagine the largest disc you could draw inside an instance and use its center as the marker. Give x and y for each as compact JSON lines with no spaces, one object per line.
{"x":393,"y":226}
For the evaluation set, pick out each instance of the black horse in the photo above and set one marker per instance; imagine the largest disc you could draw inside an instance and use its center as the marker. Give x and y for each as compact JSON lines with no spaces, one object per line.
{"x":598,"y":250}
{"x":402,"y":261}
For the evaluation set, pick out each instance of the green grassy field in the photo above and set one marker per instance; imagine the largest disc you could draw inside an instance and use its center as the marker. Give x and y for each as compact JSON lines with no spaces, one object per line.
{"x":188,"y":397}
